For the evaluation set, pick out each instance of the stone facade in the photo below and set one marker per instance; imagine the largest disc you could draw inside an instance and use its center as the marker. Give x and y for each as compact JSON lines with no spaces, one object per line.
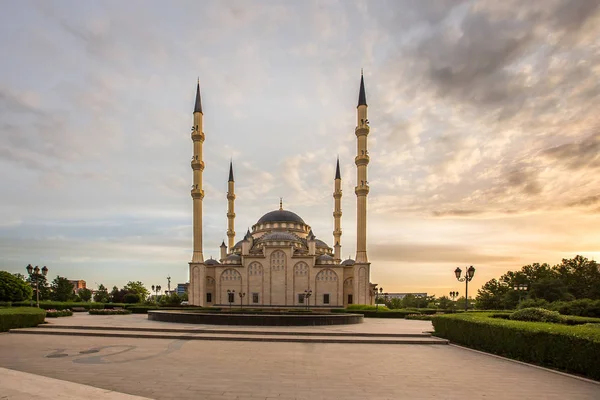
{"x":280,"y":259}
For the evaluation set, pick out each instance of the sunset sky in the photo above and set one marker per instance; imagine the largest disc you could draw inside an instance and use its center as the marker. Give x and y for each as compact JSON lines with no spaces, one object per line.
{"x":484,"y":143}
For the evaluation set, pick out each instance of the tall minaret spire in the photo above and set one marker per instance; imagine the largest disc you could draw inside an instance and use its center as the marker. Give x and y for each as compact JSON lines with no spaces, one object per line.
{"x":198,"y":167}
{"x":362,"y":185}
{"x":230,"y":208}
{"x":337,"y":214}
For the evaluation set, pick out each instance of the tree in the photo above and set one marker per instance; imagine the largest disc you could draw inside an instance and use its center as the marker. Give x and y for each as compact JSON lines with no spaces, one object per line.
{"x":444,"y":303}
{"x":42,"y":286}
{"x":62,"y":289}
{"x":491,"y":295}
{"x":580,"y":276}
{"x":131,"y":298}
{"x":137,"y":288}
{"x":550,"y":289}
{"x":116,"y":295}
{"x":13,"y":288}
{"x":101,"y":295}
{"x":85,"y":294}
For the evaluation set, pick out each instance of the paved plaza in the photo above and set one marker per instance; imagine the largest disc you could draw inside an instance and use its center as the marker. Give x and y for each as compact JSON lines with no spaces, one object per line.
{"x":188,"y":369}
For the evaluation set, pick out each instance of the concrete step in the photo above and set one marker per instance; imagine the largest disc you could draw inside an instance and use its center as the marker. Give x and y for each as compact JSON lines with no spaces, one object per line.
{"x":275,"y":331}
{"x":229,"y":336}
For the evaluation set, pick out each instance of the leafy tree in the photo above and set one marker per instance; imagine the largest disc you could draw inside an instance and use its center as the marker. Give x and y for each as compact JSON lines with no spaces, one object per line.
{"x":580,"y":276}
{"x":137,"y":288}
{"x":62,"y":289}
{"x":491,"y":295}
{"x":444,"y":303}
{"x":550,"y":289}
{"x":116,"y":295}
{"x":394,"y":303}
{"x":101,"y":295}
{"x":42,"y":286}
{"x":13,"y":288}
{"x":184,"y":297}
{"x":172,"y":299}
{"x":131,"y":298}
{"x":85,"y":294}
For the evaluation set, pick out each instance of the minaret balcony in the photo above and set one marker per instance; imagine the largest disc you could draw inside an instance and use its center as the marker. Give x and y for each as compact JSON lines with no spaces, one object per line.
{"x":230,"y":215}
{"x":337,"y":194}
{"x":197,"y":194}
{"x":362,"y":159}
{"x":197,"y":136}
{"x":197,"y":165}
{"x":230,"y":196}
{"x":337,"y":214}
{"x":362,"y":130}
{"x":361,"y":190}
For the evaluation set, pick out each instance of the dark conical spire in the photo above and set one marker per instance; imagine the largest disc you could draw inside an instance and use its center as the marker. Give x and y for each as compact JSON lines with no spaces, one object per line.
{"x":223,"y":244}
{"x":337,"y":170}
{"x":198,"y":105}
{"x":362,"y":97}
{"x":231,"y":171}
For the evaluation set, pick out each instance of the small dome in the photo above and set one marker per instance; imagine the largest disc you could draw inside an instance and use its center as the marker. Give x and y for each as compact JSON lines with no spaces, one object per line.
{"x":211,"y":261}
{"x":348,"y":262}
{"x":321,"y":244}
{"x":279,"y":236}
{"x":238,"y":245}
{"x":280,"y":216}
{"x":324,"y":258}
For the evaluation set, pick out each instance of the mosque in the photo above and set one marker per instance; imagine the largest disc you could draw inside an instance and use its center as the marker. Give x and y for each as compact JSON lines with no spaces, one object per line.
{"x":280,"y":262}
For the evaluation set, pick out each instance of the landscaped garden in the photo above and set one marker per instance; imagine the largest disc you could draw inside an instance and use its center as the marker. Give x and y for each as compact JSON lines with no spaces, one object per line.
{"x":533,"y":335}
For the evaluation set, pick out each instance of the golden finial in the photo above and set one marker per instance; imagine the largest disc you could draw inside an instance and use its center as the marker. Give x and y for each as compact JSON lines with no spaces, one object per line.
{"x":281,"y":203}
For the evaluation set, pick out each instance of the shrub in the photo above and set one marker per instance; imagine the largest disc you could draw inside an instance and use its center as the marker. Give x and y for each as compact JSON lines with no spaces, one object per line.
{"x":419,"y":317}
{"x":131,"y":298}
{"x":58,"y":313}
{"x":141,"y":309}
{"x":501,"y":315}
{"x":5,"y":304}
{"x":367,"y":307}
{"x":12,"y":318}
{"x":13,"y":288}
{"x":581,"y":308}
{"x":60,"y":305}
{"x":568,"y":348}
{"x":109,"y":312}
{"x":533,"y":303}
{"x":537,"y":315}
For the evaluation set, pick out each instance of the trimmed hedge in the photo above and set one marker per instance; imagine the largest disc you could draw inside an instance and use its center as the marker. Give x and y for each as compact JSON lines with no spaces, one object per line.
{"x":109,"y":312}
{"x":60,"y":305}
{"x":420,"y":317}
{"x":567,"y":348}
{"x":12,"y":318}
{"x":537,"y":315}
{"x":58,"y":313}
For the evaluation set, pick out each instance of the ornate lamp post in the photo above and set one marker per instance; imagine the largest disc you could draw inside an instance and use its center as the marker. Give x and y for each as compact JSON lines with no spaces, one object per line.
{"x":242,"y":295}
{"x":34,"y":273}
{"x":520,"y":289}
{"x":307,"y":294}
{"x":169,"y":284}
{"x":453,"y":296}
{"x":230,"y":297}
{"x":468,"y":277}
{"x":156,"y":289}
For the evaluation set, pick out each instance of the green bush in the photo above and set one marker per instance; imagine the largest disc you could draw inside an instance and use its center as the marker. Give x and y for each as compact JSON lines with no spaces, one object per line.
{"x":109,"y":312}
{"x":533,"y":303}
{"x":367,"y":307}
{"x":581,"y":308}
{"x":502,"y":315}
{"x":13,"y":288}
{"x":537,"y":315}
{"x":60,"y":305}
{"x":419,"y":317}
{"x":5,"y":303}
{"x":58,"y":313}
{"x":131,"y":298}
{"x":568,"y":348}
{"x":12,"y":318}
{"x":141,"y":309}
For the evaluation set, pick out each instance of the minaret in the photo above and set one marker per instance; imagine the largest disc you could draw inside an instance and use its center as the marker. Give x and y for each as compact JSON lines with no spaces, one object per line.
{"x":337,"y":214}
{"x":362,"y":185}
{"x":198,"y":167}
{"x":230,"y":209}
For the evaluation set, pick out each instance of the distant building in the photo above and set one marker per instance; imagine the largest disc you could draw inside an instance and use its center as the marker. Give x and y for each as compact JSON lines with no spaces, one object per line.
{"x":182,"y":288}
{"x":403,"y":295}
{"x":77,"y":285}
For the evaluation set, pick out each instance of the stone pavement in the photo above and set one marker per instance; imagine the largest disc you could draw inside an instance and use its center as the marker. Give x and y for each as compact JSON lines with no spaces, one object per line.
{"x":15,"y":385}
{"x":185,"y":369}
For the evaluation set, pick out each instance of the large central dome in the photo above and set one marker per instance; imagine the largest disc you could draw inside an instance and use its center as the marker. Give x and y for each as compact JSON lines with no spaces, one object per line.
{"x":280,"y":216}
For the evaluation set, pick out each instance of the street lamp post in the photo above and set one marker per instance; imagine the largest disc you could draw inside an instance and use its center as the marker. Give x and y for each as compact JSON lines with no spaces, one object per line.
{"x":520,"y":289}
{"x":34,"y":273}
{"x":242,"y":295}
{"x":156,"y":289}
{"x":453,"y":296}
{"x":307,"y":294}
{"x":169,"y":284}
{"x":230,"y":297}
{"x":468,"y":277}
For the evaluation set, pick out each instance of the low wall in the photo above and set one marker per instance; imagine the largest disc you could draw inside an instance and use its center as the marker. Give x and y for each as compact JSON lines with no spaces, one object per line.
{"x":267,"y":319}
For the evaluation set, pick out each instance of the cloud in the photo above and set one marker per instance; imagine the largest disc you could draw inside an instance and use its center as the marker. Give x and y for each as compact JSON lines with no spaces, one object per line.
{"x":434,"y":253}
{"x":584,"y":154}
